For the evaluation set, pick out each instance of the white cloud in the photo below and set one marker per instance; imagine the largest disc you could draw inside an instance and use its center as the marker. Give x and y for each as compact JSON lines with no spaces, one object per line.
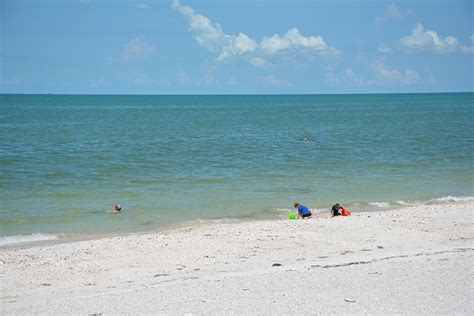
{"x":350,"y":76}
{"x":381,"y":75}
{"x":143,"y":6}
{"x":211,"y":36}
{"x":393,"y":13}
{"x":421,"y":40}
{"x":205,"y":32}
{"x":293,"y":39}
{"x":387,"y":75}
{"x":237,"y":45}
{"x":428,"y":41}
{"x":259,"y":62}
{"x":347,"y":76}
{"x":136,"y":49}
{"x":272,"y":81}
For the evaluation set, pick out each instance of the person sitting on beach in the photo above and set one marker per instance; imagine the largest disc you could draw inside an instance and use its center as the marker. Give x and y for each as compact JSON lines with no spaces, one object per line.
{"x":343,"y":211}
{"x":117,"y":207}
{"x":303,"y":211}
{"x":335,"y":210}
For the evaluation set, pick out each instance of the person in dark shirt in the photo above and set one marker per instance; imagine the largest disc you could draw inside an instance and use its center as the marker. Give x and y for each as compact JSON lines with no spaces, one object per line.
{"x":303,"y":211}
{"x":335,"y":209}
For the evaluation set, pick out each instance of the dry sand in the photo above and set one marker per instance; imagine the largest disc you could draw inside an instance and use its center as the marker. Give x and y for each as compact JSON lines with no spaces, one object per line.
{"x":413,"y":260}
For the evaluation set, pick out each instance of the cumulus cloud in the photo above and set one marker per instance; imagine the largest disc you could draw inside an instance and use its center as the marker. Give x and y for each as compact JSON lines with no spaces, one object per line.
{"x":136,"y":49}
{"x":211,"y":36}
{"x":143,"y":6}
{"x":347,"y":76}
{"x":387,"y":75}
{"x":381,"y":75}
{"x":294,"y":40}
{"x":428,"y":41}
{"x":393,"y":12}
{"x":237,"y":45}
{"x":259,"y":62}
{"x":350,"y":76}
{"x":205,"y":32}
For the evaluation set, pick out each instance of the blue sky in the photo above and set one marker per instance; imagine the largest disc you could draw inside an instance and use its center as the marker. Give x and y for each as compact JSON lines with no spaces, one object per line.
{"x":206,"y":47}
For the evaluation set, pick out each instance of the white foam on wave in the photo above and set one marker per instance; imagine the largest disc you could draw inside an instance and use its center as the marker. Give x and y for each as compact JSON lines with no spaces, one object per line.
{"x":408,"y":203}
{"x":318,"y":210}
{"x":21,"y":239}
{"x":380,"y":204}
{"x":289,"y":210}
{"x":450,"y":198}
{"x":284,"y":210}
{"x":404,"y":203}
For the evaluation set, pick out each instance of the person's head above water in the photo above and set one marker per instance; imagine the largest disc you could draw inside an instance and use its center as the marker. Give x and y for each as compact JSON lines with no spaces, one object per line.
{"x":117,"y":207}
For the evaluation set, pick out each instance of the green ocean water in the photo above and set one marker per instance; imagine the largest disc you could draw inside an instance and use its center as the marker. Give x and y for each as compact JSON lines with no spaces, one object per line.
{"x":66,"y":159}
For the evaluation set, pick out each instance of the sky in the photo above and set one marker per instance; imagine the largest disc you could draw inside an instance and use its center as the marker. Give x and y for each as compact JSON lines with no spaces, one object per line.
{"x":235,"y":47}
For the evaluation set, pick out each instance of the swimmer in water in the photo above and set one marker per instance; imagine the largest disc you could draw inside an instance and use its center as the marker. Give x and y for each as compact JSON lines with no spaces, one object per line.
{"x":117,"y":207}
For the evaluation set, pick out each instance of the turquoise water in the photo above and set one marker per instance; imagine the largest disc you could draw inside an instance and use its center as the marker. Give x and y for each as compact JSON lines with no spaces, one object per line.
{"x":66,"y":159}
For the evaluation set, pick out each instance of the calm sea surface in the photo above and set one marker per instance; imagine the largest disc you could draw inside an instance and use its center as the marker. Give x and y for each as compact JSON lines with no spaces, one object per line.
{"x":66,"y":159}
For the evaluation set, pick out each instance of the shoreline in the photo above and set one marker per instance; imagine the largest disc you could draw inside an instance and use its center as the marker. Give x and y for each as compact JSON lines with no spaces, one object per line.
{"x":345,"y":265}
{"x":170,"y":227}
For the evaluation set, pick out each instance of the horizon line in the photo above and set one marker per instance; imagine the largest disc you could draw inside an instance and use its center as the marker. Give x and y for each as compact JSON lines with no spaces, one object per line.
{"x":235,"y":94}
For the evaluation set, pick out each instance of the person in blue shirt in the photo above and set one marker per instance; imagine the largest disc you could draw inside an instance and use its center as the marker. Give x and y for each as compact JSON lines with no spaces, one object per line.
{"x":303,"y":211}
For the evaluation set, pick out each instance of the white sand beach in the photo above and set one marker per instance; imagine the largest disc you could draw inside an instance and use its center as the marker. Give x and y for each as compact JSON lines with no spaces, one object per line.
{"x":416,"y":260}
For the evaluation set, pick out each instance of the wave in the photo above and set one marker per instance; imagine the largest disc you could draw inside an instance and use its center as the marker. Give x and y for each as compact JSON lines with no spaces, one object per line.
{"x":407,"y":203}
{"x":380,"y":204}
{"x":289,"y":210}
{"x":450,"y":198}
{"x":21,"y":239}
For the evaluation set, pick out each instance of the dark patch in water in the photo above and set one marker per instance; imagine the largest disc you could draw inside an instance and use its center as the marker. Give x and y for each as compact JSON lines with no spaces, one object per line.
{"x":307,"y":138}
{"x":145,"y":223}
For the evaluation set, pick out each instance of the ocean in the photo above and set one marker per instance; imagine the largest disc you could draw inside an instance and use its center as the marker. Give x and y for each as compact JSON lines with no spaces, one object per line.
{"x":178,"y":160}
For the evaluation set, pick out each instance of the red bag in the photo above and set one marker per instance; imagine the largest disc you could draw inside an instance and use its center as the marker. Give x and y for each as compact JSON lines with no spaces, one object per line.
{"x":345,"y":212}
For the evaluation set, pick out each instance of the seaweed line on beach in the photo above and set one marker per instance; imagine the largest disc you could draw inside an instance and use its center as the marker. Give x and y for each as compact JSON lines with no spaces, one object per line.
{"x":388,"y":258}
